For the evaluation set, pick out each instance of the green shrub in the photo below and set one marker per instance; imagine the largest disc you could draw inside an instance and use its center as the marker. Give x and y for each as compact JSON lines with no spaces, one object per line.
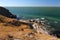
{"x":1,"y":19}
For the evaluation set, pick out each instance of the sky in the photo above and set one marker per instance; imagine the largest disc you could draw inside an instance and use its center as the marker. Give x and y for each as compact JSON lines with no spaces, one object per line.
{"x":30,"y":3}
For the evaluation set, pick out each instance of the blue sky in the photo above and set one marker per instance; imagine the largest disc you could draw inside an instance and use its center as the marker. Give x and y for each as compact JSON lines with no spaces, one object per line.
{"x":29,"y":2}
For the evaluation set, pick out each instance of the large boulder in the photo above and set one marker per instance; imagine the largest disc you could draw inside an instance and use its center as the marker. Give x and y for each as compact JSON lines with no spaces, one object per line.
{"x":6,"y":12}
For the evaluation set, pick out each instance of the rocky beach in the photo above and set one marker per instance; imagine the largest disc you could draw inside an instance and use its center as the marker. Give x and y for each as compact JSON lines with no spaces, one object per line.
{"x":31,"y":29}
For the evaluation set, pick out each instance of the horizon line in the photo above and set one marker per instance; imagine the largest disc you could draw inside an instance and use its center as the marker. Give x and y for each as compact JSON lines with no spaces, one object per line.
{"x":30,"y":6}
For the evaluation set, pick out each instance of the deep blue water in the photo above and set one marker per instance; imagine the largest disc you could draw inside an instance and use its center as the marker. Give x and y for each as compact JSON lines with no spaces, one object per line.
{"x":52,"y":13}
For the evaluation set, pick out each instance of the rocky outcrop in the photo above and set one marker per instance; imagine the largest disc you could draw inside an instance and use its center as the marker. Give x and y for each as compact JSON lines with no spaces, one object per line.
{"x":5,"y":12}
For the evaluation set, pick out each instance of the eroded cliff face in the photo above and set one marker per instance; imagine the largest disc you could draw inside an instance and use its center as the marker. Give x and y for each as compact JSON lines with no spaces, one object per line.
{"x":6,"y":12}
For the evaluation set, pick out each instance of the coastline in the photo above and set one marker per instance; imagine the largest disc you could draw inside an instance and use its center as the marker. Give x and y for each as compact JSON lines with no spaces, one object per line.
{"x":33,"y":29}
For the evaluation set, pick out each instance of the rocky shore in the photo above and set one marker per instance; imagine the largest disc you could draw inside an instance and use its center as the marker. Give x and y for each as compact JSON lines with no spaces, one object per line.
{"x":34,"y":29}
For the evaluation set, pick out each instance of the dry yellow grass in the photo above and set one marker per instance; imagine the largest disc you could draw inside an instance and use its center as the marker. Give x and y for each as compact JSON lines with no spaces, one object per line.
{"x":23,"y":32}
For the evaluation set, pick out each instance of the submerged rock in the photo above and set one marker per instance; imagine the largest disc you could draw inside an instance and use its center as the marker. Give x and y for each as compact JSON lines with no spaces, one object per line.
{"x":6,"y":12}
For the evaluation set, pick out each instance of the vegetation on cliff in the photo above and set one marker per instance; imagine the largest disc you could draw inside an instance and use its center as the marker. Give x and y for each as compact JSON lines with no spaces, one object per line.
{"x":12,"y":29}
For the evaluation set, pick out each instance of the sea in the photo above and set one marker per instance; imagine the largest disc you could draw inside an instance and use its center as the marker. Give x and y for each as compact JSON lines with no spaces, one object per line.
{"x":51,"y":13}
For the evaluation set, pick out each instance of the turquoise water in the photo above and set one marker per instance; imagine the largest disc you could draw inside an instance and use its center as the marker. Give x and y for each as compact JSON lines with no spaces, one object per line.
{"x":52,"y":13}
{"x":35,"y":12}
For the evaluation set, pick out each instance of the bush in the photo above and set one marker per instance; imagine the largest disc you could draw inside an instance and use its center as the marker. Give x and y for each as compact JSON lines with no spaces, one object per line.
{"x":15,"y":23}
{"x":1,"y":19}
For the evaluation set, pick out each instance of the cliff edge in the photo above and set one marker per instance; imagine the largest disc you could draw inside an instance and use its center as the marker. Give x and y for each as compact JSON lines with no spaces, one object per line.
{"x":6,"y":12}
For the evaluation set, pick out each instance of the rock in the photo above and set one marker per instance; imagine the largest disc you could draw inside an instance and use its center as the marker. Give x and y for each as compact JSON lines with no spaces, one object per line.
{"x":17,"y":39}
{"x":56,"y":33}
{"x":5,"y":12}
{"x":10,"y":37}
